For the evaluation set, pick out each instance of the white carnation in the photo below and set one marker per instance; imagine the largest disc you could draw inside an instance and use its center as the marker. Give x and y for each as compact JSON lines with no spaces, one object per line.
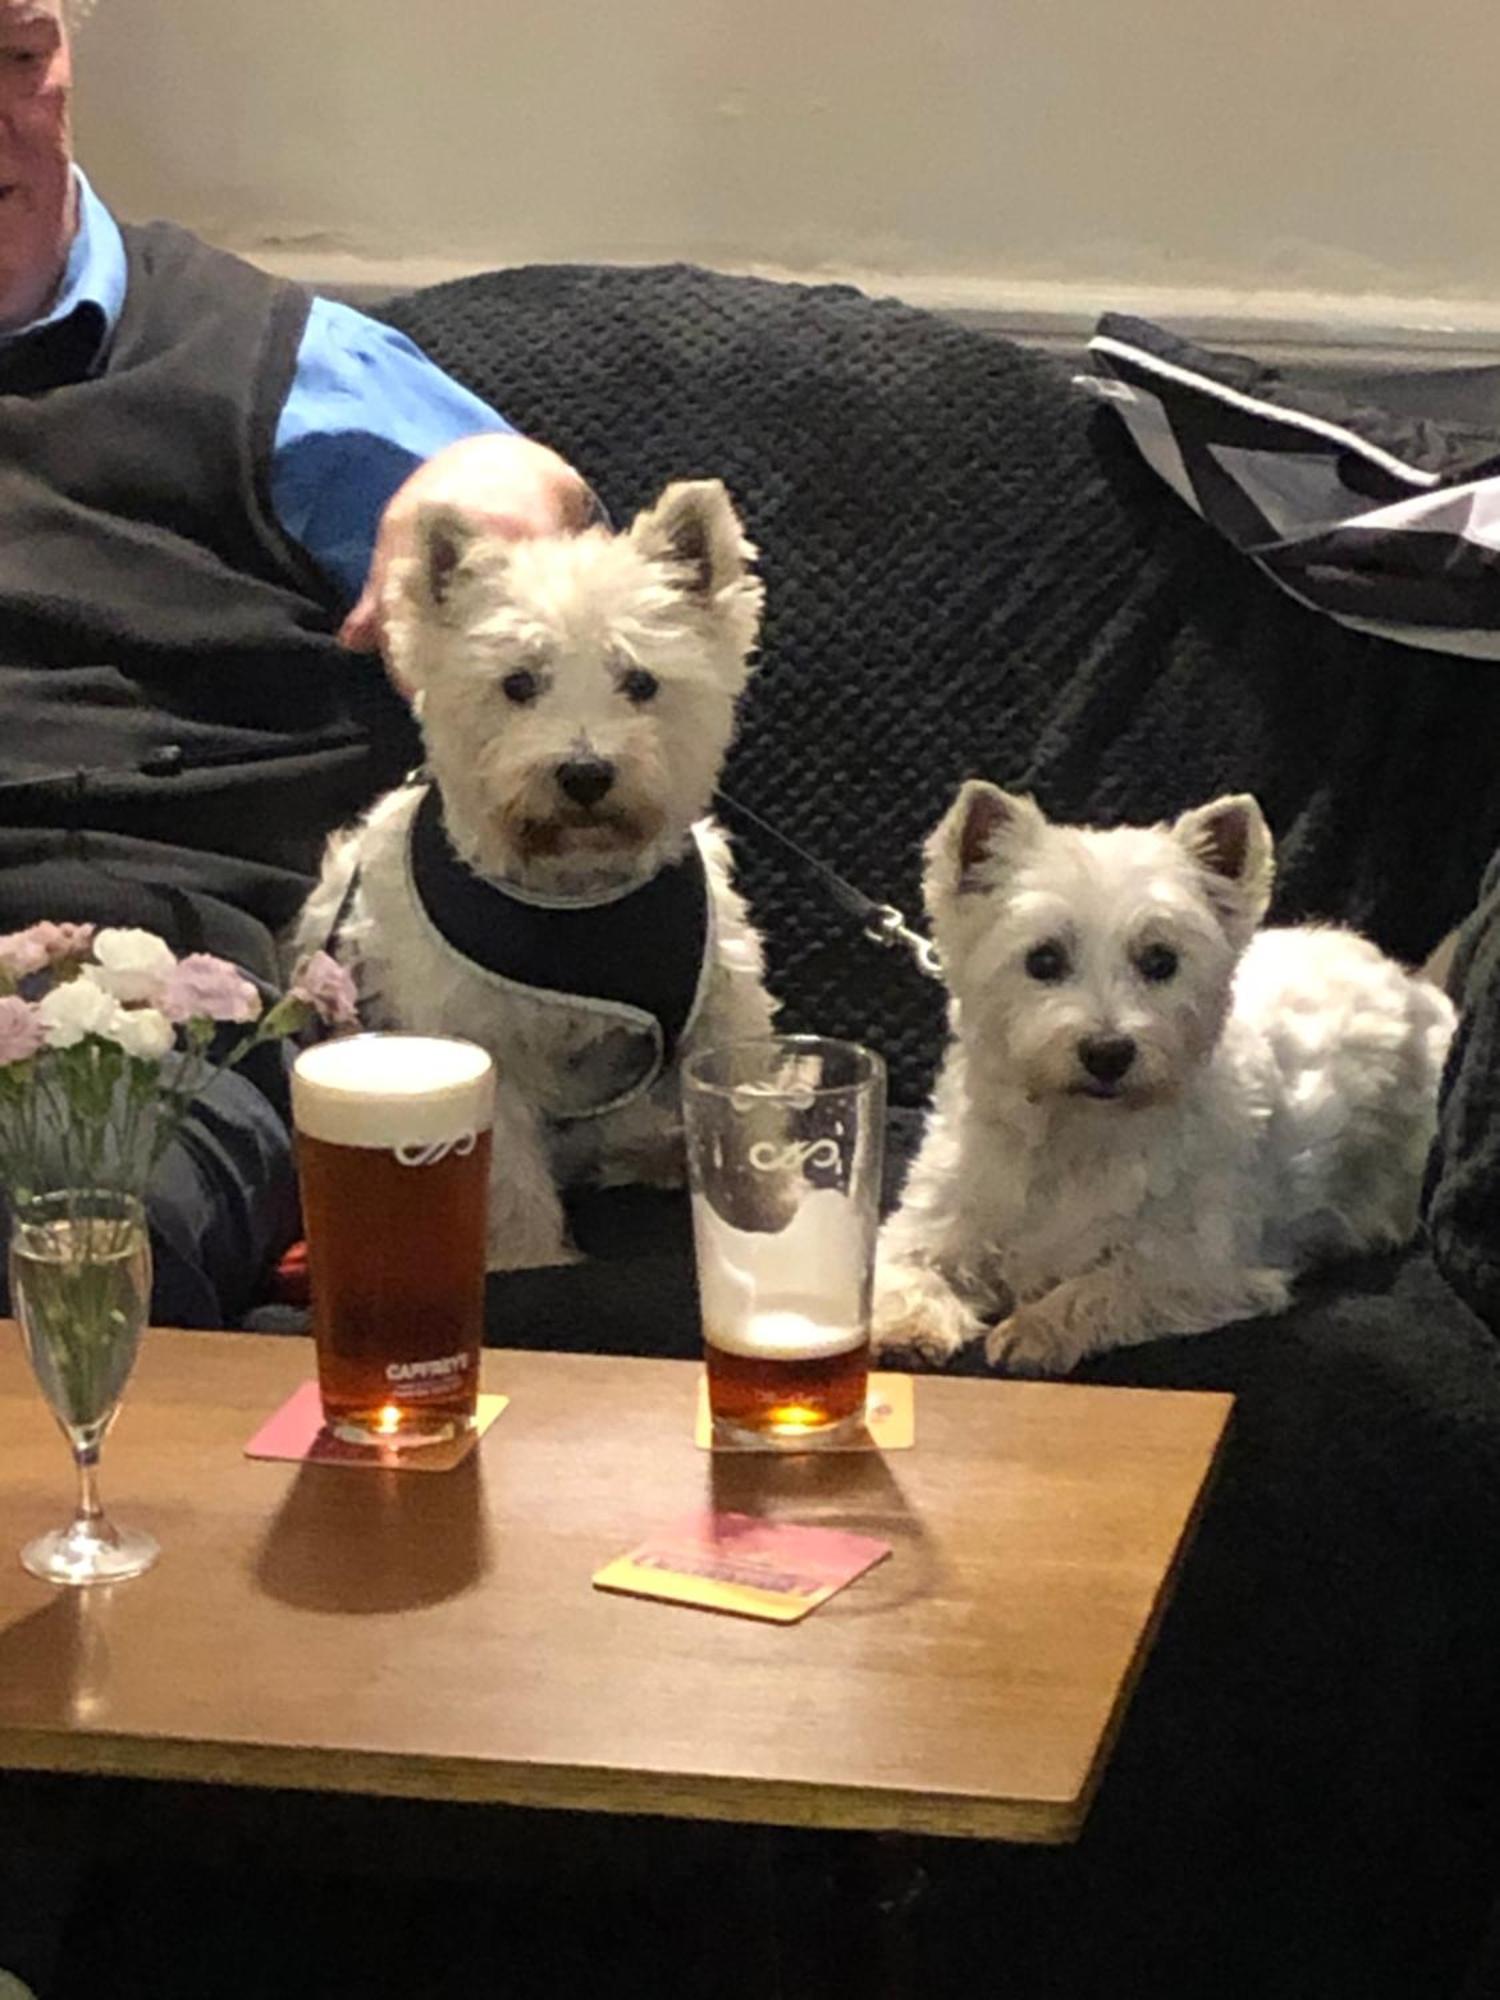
{"x":132,"y":965}
{"x":141,"y":1032}
{"x":80,"y":1008}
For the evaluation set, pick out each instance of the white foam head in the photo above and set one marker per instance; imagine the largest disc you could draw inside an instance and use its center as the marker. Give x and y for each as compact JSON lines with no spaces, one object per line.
{"x":385,"y":1091}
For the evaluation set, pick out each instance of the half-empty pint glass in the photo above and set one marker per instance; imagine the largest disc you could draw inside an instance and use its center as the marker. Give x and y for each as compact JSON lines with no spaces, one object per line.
{"x":784,"y":1141}
{"x":393,"y":1145}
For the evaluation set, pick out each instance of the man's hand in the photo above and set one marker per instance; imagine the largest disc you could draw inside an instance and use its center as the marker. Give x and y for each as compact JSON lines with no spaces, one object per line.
{"x":514,"y":485}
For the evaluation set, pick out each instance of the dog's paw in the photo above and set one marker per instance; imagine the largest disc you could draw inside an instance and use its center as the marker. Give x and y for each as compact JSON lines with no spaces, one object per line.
{"x":917,"y":1311}
{"x":1030,"y":1342}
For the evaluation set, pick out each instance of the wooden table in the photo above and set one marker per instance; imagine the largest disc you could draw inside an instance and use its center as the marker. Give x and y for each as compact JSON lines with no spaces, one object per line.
{"x":436,"y":1636}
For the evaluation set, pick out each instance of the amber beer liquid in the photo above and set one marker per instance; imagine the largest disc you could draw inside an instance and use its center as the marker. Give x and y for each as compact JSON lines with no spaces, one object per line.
{"x":784,"y":1374}
{"x":393,"y":1143}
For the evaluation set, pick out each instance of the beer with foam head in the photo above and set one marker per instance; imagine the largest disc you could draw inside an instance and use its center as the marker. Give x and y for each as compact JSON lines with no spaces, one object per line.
{"x":393,"y":1145}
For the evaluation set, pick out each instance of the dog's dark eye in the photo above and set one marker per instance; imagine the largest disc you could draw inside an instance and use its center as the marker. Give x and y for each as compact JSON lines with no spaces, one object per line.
{"x":638,"y":686}
{"x":521,"y":687}
{"x":1158,"y":963}
{"x":1048,"y":963}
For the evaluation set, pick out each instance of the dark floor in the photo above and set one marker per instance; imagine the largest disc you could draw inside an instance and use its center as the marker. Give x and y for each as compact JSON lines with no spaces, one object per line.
{"x":176,"y":1893}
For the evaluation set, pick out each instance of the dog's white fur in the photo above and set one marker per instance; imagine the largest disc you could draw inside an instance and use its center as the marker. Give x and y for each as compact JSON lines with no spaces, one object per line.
{"x":674,"y":597}
{"x":1277,"y":1109}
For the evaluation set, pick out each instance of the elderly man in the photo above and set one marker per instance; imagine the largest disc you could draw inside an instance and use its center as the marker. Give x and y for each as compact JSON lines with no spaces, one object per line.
{"x":203,"y":474}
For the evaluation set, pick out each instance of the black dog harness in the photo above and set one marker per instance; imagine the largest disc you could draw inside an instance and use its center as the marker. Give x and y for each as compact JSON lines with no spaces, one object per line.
{"x":635,"y":961}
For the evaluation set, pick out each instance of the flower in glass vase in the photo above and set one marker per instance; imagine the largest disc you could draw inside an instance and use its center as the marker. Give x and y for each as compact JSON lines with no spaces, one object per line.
{"x":106,"y":1039}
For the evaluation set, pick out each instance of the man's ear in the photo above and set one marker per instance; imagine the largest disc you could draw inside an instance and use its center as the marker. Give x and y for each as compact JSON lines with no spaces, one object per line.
{"x":1231,"y":843}
{"x":977,"y":838}
{"x":694,"y":531}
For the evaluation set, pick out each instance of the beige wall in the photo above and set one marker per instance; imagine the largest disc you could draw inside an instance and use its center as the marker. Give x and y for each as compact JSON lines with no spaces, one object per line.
{"x":972,"y":151}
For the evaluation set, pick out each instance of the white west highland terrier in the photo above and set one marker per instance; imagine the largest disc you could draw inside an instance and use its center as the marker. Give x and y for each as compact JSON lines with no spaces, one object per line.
{"x":555,"y":893}
{"x":1152,"y":1117}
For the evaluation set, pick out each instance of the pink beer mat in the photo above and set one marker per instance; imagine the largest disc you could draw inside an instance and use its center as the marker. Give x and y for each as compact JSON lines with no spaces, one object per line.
{"x":296,"y":1432}
{"x":779,"y":1570}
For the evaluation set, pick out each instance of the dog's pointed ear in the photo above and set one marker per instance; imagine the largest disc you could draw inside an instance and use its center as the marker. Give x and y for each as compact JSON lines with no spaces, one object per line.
{"x":449,"y":548}
{"x":694,"y":530}
{"x":1232,"y":844}
{"x":968,"y":849}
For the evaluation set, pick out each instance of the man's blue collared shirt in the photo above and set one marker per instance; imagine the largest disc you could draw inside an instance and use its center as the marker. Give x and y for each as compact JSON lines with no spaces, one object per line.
{"x":365,"y":408}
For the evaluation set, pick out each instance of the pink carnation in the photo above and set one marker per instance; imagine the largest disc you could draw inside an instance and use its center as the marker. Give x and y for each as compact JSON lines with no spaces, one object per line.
{"x":321,"y":983}
{"x":64,"y":941}
{"x":28,"y":951}
{"x":21,"y":1033}
{"x":201,"y":987}
{"x":22,"y":953}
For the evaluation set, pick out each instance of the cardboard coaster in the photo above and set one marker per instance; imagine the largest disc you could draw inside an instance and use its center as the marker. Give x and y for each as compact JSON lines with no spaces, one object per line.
{"x":890,"y":1423}
{"x":296,"y":1432}
{"x":736,"y":1563}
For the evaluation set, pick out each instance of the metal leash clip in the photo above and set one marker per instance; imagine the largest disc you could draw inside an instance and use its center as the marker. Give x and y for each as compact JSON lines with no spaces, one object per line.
{"x":889,"y":927}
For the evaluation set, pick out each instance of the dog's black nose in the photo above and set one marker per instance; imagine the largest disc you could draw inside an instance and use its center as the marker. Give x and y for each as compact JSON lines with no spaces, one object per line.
{"x":1107,"y":1057}
{"x":585,"y":780}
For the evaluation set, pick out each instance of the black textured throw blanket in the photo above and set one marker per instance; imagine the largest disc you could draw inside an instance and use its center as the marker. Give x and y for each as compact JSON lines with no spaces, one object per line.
{"x":970,"y":570}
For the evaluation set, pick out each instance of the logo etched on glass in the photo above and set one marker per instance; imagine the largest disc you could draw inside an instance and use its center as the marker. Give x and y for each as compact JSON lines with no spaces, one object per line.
{"x":767,"y":1158}
{"x":440,"y":1149}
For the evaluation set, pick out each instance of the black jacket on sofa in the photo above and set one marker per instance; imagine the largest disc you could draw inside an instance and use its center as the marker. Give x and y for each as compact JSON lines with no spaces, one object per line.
{"x":970,"y":571}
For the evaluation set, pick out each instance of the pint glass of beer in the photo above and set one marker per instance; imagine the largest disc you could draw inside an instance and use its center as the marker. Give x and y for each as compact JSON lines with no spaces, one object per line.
{"x":393,"y":1145}
{"x":784,"y":1142}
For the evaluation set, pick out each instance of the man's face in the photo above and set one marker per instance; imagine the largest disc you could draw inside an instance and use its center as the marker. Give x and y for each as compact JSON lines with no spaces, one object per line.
{"x":37,"y":206}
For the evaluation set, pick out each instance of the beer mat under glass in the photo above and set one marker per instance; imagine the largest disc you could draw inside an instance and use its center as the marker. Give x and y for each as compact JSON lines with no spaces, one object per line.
{"x":890,"y":1424}
{"x":297,"y":1432}
{"x":737,"y":1563}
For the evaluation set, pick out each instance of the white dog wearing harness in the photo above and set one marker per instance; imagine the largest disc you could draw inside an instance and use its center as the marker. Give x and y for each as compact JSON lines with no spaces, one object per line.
{"x":550,"y":886}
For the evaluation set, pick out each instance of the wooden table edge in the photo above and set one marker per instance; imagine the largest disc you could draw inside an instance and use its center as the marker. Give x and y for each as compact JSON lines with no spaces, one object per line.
{"x":461,"y":1780}
{"x":1165,"y":1592}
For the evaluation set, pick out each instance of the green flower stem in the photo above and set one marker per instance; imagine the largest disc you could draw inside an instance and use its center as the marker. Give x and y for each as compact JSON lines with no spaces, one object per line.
{"x":82,"y":1298}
